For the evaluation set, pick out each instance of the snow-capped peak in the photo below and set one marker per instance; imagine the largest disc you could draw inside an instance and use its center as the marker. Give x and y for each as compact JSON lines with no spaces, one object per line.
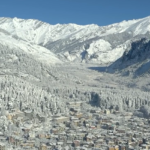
{"x":73,"y":39}
{"x":39,"y":32}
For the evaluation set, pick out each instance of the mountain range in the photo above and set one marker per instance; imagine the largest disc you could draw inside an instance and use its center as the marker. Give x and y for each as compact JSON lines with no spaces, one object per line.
{"x":71,"y":42}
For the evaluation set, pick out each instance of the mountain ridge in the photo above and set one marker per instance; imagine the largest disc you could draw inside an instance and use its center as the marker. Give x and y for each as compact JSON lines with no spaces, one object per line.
{"x":77,"y":43}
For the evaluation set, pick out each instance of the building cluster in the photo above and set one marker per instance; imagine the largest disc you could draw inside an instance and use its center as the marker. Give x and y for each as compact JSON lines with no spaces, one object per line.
{"x":93,"y":129}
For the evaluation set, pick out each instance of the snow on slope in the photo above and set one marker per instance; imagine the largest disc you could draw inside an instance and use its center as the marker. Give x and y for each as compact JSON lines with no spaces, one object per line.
{"x":39,"y":32}
{"x":38,"y":52}
{"x":36,"y":31}
{"x":75,"y":42}
{"x":136,"y":60}
{"x":99,"y":45}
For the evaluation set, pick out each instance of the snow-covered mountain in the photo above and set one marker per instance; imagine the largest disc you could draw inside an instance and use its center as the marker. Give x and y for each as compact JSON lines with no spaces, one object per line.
{"x":36,"y":51}
{"x":135,"y":61}
{"x":71,"y":42}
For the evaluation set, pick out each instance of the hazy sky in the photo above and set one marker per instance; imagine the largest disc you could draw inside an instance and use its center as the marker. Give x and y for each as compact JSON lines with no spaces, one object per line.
{"x":101,"y":12}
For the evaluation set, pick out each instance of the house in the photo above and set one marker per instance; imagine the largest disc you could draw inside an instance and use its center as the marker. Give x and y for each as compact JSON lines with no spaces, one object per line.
{"x":2,"y":146}
{"x":11,"y":140}
{"x":76,"y":143}
{"x":27,"y":145}
{"x":145,"y":146}
{"x":54,"y":130}
{"x":42,"y":135}
{"x":60,"y":143}
{"x":89,"y":137}
{"x":10,"y":116}
{"x":76,"y":122}
{"x":61,"y":119}
{"x":107,"y":111}
{"x":122,"y":147}
{"x":121,"y":130}
{"x":79,"y":115}
{"x":47,"y":136}
{"x":76,"y":103}
{"x":28,"y":113}
{"x":43,"y":147}
{"x":111,"y":148}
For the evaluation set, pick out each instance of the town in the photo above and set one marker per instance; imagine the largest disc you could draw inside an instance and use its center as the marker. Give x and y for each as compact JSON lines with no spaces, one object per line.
{"x":95,"y":129}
